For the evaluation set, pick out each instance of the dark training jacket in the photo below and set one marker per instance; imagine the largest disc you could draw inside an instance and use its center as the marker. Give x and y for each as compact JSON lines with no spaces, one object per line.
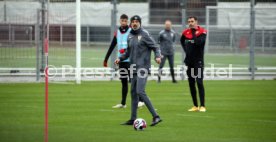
{"x":193,"y":42}
{"x":166,"y":39}
{"x":140,"y":45}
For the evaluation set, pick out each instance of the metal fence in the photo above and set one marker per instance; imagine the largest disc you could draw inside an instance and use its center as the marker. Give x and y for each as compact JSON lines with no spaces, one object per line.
{"x":22,"y":30}
{"x":229,"y":26}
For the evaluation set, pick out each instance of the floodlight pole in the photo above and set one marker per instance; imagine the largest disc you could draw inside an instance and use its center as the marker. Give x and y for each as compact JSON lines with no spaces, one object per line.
{"x":78,"y":43}
{"x":45,"y":49}
{"x":112,"y":31}
{"x":43,"y":33}
{"x":5,"y":11}
{"x":46,"y":73}
{"x":183,"y":4}
{"x":252,"y":40}
{"x":183,"y":11}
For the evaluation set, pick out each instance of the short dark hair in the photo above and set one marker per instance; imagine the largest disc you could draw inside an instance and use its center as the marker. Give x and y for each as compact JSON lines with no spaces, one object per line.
{"x":168,"y":20}
{"x":194,"y":17}
{"x":124,"y":16}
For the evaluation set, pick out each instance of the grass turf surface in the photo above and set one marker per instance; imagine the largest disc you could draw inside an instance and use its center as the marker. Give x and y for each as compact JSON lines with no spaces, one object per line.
{"x":236,"y":111}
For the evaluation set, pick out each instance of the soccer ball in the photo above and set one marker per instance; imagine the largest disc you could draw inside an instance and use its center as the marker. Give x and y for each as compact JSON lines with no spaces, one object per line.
{"x":139,"y":124}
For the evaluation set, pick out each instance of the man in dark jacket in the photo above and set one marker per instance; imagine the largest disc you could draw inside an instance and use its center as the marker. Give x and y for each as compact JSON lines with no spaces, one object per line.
{"x":140,"y":45}
{"x":193,"y":42}
{"x":166,"y":39}
{"x":120,"y":39}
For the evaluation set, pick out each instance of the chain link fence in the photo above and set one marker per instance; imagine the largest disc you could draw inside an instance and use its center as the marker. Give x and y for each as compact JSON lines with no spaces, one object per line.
{"x":227,"y":22}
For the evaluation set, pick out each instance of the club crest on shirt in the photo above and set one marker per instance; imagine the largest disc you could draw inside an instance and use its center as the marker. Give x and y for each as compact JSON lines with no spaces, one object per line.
{"x":139,"y":37}
{"x":171,"y":34}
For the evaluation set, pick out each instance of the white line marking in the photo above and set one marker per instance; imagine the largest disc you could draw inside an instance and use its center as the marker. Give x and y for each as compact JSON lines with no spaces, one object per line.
{"x":264,"y":121}
{"x":239,"y":65}
{"x":199,"y":116}
{"x":109,"y":110}
{"x":58,"y":82}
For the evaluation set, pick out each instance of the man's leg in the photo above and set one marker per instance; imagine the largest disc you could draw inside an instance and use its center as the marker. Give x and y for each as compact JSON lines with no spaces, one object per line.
{"x":201,"y":91}
{"x":134,"y":98}
{"x":134,"y":102}
{"x":192,"y":86}
{"x":200,"y":85}
{"x":140,"y":90}
{"x":141,"y":84}
{"x":171,"y":64}
{"x":123,"y":66}
{"x":163,"y":60}
{"x":124,"y":82}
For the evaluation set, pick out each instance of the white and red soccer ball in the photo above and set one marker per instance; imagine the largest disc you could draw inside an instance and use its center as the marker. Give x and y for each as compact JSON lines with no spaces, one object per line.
{"x":139,"y":124}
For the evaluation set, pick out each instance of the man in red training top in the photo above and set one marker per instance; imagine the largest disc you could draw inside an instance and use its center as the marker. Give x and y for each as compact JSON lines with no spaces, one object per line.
{"x":193,"y":42}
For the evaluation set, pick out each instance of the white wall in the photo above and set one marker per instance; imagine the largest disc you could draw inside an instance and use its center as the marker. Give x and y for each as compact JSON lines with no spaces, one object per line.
{"x":238,"y":14}
{"x":93,"y":13}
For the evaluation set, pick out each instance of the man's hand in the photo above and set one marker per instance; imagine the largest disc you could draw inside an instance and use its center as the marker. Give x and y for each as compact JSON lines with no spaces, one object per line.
{"x":158,"y":60}
{"x":117,"y":61}
{"x":105,"y":63}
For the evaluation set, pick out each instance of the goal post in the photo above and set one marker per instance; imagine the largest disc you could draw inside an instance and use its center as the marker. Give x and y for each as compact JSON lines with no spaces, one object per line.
{"x":78,"y":43}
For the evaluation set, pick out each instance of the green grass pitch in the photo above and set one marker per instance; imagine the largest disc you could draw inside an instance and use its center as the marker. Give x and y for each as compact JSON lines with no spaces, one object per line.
{"x":241,"y":111}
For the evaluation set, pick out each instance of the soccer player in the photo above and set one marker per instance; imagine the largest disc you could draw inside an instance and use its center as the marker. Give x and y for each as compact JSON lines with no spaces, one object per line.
{"x":120,"y":39}
{"x":166,"y":39}
{"x":193,"y":42}
{"x":140,"y":45}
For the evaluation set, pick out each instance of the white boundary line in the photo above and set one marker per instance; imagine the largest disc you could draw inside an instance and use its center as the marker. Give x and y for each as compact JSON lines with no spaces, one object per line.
{"x":198,"y":116}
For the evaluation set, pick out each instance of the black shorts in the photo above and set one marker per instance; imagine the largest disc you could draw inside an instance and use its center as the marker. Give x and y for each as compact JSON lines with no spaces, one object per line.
{"x":124,"y":69}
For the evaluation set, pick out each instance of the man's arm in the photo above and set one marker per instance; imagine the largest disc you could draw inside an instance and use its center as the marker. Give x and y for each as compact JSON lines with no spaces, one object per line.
{"x":174,"y":37}
{"x":200,"y":40}
{"x":159,"y":37}
{"x":149,"y":41}
{"x":111,"y":48}
{"x":182,"y":41}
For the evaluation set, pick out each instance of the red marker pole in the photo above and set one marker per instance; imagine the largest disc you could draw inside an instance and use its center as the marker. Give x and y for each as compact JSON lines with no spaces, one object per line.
{"x":46,"y":91}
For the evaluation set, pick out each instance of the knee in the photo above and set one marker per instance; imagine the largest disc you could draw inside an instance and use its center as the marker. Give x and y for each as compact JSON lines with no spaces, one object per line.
{"x":171,"y":65}
{"x":133,"y":92}
{"x":191,"y":80}
{"x":199,"y":81}
{"x":134,"y":98}
{"x":140,"y":92}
